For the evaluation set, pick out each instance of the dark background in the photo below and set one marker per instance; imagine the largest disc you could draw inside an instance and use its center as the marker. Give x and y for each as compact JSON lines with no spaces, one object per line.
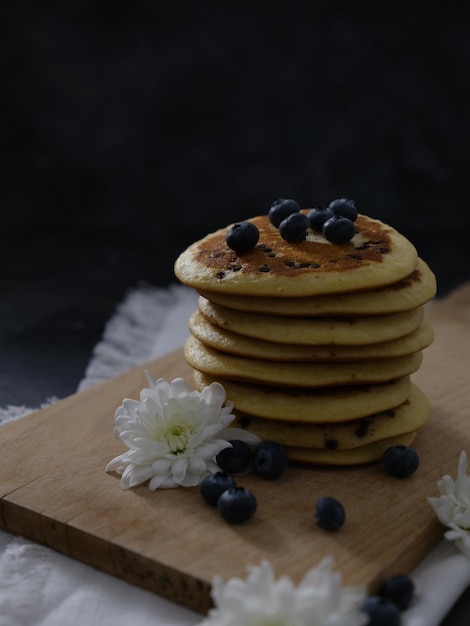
{"x":130,"y":129}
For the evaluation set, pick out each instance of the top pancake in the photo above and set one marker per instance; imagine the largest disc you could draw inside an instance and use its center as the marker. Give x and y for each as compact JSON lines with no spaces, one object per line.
{"x":376,"y":256}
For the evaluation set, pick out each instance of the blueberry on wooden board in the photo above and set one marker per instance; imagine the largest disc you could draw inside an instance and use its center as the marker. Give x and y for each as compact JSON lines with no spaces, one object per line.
{"x":212,"y":486}
{"x":237,"y":505}
{"x":400,"y":461}
{"x":329,"y":513}
{"x":235,"y":459}
{"x":270,"y":460}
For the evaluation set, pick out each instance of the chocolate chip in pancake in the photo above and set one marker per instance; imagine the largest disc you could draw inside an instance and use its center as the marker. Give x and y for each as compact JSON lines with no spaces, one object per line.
{"x":406,"y":294}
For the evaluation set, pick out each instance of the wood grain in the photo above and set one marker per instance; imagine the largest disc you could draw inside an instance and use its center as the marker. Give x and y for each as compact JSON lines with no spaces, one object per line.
{"x":54,"y":490}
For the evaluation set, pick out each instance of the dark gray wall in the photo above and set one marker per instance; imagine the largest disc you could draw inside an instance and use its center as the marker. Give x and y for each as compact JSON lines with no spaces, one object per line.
{"x":135,"y":127}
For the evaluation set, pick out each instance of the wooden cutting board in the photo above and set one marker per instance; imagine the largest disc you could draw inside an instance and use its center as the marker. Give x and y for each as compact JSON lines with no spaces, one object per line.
{"x":54,"y":490}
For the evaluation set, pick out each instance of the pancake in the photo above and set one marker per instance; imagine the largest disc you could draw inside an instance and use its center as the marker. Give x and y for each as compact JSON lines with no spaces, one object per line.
{"x":355,"y":456}
{"x":314,"y":331}
{"x":376,"y":256}
{"x":324,"y":405}
{"x":293,"y":374}
{"x":407,"y":417}
{"x":409,"y":293}
{"x":233,"y":343}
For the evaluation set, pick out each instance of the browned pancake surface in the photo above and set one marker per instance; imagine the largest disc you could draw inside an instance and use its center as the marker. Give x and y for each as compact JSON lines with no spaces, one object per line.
{"x":377,"y":255}
{"x":287,"y":259}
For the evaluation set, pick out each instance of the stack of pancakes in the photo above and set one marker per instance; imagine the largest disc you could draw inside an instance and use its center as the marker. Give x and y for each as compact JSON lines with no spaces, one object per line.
{"x":315,"y":343}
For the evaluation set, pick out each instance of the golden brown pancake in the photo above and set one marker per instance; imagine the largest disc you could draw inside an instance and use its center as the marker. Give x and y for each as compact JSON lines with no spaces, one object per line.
{"x":406,"y":294}
{"x":233,"y":343}
{"x":376,"y":256}
{"x":324,"y":405}
{"x":405,"y":418}
{"x":342,"y":331}
{"x":294,"y":374}
{"x":355,"y":456}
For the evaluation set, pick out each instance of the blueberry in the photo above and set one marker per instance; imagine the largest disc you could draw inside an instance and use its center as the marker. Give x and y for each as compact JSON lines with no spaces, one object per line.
{"x":242,"y":237}
{"x":270,"y":460}
{"x":280,"y":209}
{"x":381,"y":611}
{"x":400,"y":461}
{"x":212,"y":486}
{"x":344,"y":208}
{"x":399,"y":589}
{"x":294,"y":228}
{"x":329,"y":513}
{"x":338,"y":229}
{"x":318,"y":216}
{"x":237,"y":505}
{"x":235,"y":459}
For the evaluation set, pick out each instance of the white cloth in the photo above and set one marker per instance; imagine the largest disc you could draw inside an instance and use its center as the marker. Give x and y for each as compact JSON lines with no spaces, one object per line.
{"x":39,"y":587}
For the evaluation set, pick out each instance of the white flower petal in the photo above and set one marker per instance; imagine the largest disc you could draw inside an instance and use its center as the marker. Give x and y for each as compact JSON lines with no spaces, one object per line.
{"x":150,"y":379}
{"x":462,"y":468}
{"x":178,"y":469}
{"x":191,"y":480}
{"x":212,"y":430}
{"x":129,"y":406}
{"x":133,"y":476}
{"x":180,"y":389}
{"x":214,"y":394}
{"x":446,"y":486}
{"x":162,"y":389}
{"x":211,"y":449}
{"x":241,"y":435}
{"x":197,"y":465}
{"x":161,"y":466}
{"x":164,"y":482}
{"x":115,"y":464}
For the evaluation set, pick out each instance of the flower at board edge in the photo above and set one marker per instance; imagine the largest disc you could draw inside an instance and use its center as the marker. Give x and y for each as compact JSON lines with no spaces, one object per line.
{"x":452,"y":507}
{"x":318,"y":600}
{"x":172,"y":434}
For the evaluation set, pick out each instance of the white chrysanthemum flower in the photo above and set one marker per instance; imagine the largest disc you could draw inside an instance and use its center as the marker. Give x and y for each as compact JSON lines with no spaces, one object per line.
{"x":453,"y":506}
{"x":172,"y":434}
{"x":319,"y":600}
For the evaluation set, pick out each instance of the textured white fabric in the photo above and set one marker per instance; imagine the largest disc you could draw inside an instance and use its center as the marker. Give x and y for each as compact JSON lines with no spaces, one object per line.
{"x":149,"y":323}
{"x":440,"y":579}
{"x":43,"y":588}
{"x":39,"y":587}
